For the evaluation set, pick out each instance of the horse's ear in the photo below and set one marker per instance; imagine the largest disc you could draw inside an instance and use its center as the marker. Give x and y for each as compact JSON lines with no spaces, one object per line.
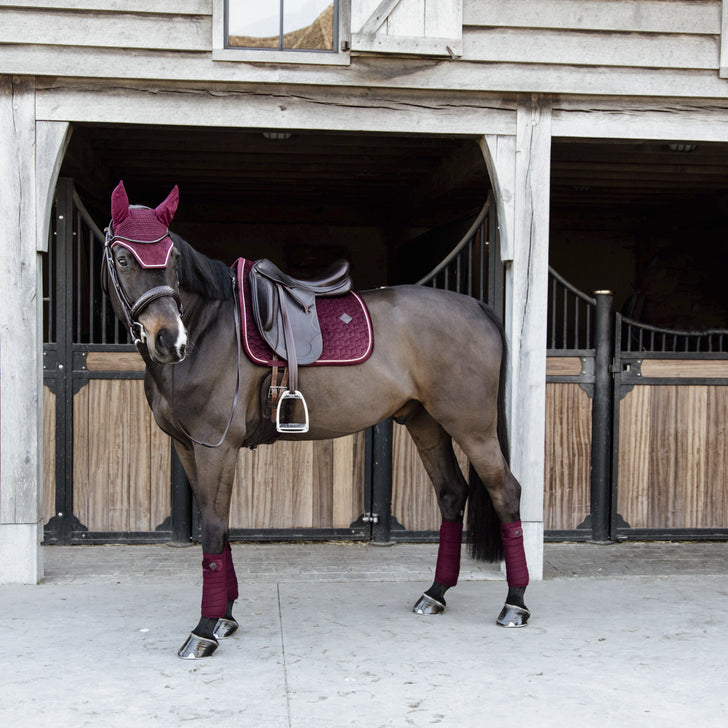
{"x":165,"y":211}
{"x":119,"y":204}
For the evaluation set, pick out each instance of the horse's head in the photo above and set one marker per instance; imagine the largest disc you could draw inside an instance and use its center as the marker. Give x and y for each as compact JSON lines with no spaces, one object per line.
{"x":140,"y":275}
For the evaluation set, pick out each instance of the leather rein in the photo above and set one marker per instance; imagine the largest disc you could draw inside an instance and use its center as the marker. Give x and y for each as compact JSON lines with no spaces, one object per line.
{"x":131,"y":309}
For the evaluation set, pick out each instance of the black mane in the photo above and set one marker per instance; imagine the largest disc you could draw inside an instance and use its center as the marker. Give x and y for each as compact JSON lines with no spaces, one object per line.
{"x":200,"y":274}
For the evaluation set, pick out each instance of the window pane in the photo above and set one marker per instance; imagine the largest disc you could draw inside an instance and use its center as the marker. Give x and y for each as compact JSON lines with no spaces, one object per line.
{"x":254,"y":24}
{"x":308,"y":24}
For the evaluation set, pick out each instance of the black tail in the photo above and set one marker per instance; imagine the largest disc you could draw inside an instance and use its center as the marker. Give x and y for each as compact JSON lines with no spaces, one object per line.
{"x":484,"y":536}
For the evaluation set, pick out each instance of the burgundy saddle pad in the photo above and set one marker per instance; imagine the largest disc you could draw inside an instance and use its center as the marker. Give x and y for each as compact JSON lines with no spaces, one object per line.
{"x":345,"y":326}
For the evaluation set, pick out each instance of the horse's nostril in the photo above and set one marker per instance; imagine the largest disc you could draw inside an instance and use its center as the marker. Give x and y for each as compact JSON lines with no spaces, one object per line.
{"x":163,"y":340}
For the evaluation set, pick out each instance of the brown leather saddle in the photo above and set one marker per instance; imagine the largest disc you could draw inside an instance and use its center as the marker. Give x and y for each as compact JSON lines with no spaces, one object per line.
{"x":284,"y":310}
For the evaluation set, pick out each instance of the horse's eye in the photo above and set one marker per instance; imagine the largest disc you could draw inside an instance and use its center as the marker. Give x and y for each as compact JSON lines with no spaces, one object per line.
{"x":122,"y":261}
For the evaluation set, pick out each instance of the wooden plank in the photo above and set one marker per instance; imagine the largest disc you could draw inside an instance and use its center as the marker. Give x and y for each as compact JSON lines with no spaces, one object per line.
{"x":569,"y":47}
{"x":723,"y":70}
{"x":160,"y":468}
{"x":139,"y":458}
{"x":414,"y":503}
{"x":633,"y":118}
{"x":81,"y":455}
{"x":635,"y":446}
{"x":348,"y":480}
{"x":685,"y":368}
{"x":640,"y":16}
{"x":114,"y":361}
{"x":171,"y":7}
{"x":323,"y":484}
{"x":49,"y":454}
{"x":564,"y":366}
{"x":715,"y":509}
{"x":567,"y":456}
{"x":92,"y":29}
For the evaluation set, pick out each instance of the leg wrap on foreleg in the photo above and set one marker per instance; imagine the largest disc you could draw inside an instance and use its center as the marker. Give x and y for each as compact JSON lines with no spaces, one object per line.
{"x":515,"y":556}
{"x":448,"y":554}
{"x":230,"y":576}
{"x":214,"y":585}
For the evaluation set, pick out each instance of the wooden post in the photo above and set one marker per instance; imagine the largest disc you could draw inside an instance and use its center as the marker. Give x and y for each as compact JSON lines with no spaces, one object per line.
{"x":21,"y":423}
{"x":520,"y":173}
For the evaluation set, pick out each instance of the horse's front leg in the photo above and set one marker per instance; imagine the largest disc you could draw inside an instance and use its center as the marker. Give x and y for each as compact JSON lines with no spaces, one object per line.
{"x":214,"y":470}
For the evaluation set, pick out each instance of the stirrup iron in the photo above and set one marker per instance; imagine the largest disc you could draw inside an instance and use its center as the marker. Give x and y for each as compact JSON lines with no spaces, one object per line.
{"x":291,"y":427}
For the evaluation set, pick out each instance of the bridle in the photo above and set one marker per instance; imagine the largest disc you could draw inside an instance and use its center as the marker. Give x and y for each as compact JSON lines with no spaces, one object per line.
{"x":132,"y":309}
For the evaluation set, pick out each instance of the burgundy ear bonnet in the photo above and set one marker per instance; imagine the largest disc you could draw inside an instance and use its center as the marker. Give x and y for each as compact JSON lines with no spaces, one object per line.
{"x":142,"y":231}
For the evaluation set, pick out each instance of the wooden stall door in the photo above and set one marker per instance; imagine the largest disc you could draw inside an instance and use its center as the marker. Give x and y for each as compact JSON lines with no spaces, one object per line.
{"x":301,"y":485}
{"x":673,"y":456}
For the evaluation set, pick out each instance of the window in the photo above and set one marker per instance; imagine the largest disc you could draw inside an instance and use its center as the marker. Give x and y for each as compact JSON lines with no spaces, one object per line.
{"x":304,"y":25}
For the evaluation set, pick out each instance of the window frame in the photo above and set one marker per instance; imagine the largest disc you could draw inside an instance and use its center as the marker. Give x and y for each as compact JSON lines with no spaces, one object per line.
{"x":337,"y":57}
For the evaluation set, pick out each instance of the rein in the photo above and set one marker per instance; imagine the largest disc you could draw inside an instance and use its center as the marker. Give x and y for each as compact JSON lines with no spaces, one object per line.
{"x":178,"y":424}
{"x":131,"y":309}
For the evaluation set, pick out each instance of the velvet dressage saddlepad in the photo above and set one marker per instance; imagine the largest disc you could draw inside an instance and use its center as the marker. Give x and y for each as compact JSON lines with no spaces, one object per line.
{"x":345,"y":326}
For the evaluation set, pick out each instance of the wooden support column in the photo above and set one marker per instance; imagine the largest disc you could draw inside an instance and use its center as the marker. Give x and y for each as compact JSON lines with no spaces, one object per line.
{"x":21,"y":409}
{"x":520,"y":171}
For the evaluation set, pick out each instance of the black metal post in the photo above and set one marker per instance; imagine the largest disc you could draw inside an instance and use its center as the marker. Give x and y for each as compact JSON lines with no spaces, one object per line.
{"x":602,"y":418}
{"x":382,"y":482}
{"x":181,"y":504}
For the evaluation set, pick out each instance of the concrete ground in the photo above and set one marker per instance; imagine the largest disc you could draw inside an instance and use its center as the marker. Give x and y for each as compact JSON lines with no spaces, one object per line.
{"x":622,"y":635}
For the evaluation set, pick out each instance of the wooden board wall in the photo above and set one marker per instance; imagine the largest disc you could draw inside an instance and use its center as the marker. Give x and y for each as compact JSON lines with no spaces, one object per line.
{"x":414,"y":504}
{"x":568,"y":456}
{"x":300,"y":485}
{"x":550,"y":46}
{"x":673,"y":457}
{"x":121,"y":459}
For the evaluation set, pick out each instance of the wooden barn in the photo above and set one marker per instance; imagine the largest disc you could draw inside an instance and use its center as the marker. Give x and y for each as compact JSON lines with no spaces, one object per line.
{"x":564,"y":160}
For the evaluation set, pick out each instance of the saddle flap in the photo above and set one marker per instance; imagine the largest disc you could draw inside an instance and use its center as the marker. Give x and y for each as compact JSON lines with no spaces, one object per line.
{"x":268,"y":297}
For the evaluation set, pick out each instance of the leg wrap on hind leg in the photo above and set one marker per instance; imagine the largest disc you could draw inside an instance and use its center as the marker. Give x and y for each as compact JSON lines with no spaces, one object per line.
{"x":214,"y":585}
{"x":231,"y":578}
{"x":448,"y":554}
{"x":515,"y":556}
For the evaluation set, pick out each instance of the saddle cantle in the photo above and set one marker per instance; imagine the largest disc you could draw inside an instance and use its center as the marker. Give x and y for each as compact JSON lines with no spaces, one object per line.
{"x":284,"y":310}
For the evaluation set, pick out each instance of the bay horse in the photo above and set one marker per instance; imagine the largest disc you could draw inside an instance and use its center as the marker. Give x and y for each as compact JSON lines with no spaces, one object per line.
{"x":437,"y":366}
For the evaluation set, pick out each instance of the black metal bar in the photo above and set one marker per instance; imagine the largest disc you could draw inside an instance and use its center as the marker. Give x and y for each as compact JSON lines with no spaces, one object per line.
{"x":64,"y":396}
{"x":602,"y":419}
{"x":382,"y":434}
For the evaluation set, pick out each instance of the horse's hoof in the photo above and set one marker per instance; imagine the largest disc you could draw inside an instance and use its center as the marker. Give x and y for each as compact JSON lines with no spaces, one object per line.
{"x":513,"y":616}
{"x":427,"y":605}
{"x":196,"y":647}
{"x":224,"y":628}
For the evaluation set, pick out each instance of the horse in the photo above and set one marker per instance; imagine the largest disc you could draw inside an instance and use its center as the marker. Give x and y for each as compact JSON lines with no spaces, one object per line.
{"x":437,"y":366}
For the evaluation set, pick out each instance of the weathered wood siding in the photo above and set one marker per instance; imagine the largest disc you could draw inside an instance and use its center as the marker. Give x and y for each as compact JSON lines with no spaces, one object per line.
{"x":300,"y":485}
{"x":568,"y":456}
{"x":121,"y":459}
{"x":632,"y":47}
{"x":673,"y":456}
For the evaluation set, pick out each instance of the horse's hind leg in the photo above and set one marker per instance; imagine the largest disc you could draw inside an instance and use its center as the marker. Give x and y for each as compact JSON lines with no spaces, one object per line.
{"x":211,"y":474}
{"x":435,"y":448}
{"x":504,"y":493}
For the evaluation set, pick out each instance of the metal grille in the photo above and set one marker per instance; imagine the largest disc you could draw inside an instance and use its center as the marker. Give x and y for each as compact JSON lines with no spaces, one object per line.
{"x":571,"y":317}
{"x":473,"y":267}
{"x":638,"y":337}
{"x":93,"y":320}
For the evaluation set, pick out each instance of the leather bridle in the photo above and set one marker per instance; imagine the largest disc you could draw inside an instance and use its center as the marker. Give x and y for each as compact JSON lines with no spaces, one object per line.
{"x":132,"y":309}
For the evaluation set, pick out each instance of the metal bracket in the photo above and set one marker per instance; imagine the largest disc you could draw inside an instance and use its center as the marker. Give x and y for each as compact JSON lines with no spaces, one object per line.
{"x":370,"y":518}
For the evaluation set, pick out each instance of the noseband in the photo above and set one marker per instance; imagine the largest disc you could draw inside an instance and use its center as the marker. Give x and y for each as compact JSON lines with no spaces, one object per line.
{"x":132,"y":309}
